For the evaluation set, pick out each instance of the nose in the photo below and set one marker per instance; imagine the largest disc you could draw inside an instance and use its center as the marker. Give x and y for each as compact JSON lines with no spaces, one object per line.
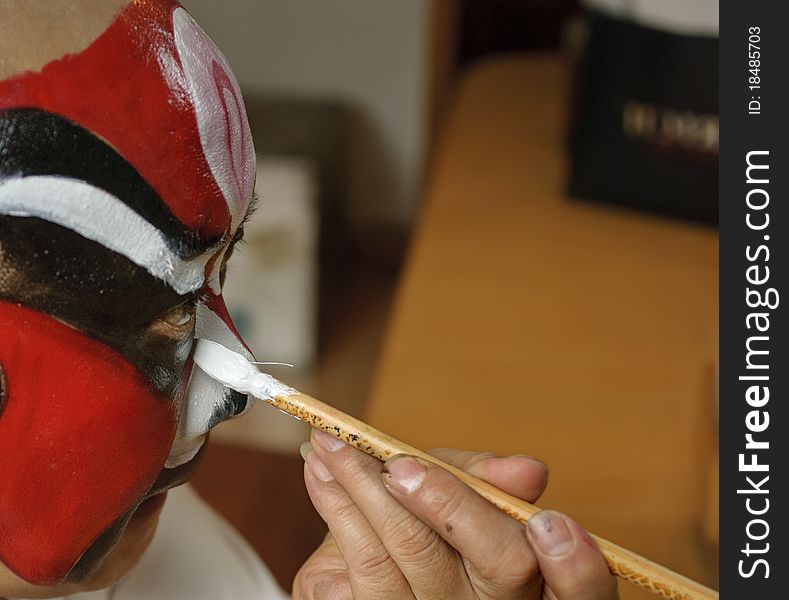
{"x":234,"y":405}
{"x":208,"y":402}
{"x":239,"y":402}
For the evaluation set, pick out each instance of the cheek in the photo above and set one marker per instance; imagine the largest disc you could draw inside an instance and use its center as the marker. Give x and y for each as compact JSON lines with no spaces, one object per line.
{"x":83,"y":436}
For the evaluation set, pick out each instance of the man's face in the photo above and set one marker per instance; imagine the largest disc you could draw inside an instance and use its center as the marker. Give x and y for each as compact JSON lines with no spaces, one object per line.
{"x":126,"y":171}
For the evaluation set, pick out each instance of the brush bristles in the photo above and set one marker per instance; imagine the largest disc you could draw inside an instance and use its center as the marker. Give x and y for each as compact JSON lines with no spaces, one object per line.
{"x":227,"y":367}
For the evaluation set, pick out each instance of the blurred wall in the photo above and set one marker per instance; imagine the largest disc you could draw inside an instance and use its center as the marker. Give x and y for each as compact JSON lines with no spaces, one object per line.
{"x":371,"y":54}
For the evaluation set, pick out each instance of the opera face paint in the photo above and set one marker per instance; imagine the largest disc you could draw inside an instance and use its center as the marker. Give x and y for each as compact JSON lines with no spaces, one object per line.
{"x":125,"y":173}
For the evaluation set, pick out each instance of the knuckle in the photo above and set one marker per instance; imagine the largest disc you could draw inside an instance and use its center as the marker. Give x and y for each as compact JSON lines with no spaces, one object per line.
{"x":423,"y":555}
{"x":444,"y":500}
{"x":354,"y":465}
{"x":515,"y":565}
{"x":315,"y":583}
{"x":396,"y":525}
{"x":416,"y":542}
{"x":334,"y":588}
{"x":374,"y":563}
{"x":342,"y":516}
{"x":343,"y":509}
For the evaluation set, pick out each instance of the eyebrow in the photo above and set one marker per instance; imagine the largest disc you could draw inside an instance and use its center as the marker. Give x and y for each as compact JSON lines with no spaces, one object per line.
{"x":44,"y":148}
{"x":254,"y":204}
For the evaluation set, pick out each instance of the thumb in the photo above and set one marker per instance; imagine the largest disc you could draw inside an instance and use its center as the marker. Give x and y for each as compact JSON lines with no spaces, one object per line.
{"x":569,"y":559}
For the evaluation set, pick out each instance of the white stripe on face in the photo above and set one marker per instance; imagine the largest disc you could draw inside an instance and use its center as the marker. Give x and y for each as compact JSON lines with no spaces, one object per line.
{"x":99,"y":216}
{"x":221,"y":116}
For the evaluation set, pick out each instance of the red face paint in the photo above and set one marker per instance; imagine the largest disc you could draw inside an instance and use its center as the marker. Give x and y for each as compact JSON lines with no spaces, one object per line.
{"x":83,"y":432}
{"x":130,"y":87}
{"x":83,"y":436}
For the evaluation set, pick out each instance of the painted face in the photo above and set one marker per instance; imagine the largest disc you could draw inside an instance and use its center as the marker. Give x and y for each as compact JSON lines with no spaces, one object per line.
{"x":126,"y":171}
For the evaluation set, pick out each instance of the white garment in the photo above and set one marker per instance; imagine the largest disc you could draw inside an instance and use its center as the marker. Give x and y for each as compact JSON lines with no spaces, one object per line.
{"x":195,"y":555}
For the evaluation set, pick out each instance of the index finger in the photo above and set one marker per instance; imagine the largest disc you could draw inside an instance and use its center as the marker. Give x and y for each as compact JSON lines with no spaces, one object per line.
{"x":430,"y":566}
{"x":498,"y":558}
{"x":522,"y":476}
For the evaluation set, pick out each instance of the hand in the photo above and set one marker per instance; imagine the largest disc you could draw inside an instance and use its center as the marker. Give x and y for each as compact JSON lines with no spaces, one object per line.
{"x":410,"y":530}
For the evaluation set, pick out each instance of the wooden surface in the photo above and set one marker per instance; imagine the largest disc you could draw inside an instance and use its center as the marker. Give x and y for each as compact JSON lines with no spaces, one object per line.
{"x":530,"y":323}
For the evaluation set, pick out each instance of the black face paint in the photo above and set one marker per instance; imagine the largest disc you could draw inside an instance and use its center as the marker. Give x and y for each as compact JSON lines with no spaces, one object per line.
{"x":54,"y":270}
{"x":35,"y":142}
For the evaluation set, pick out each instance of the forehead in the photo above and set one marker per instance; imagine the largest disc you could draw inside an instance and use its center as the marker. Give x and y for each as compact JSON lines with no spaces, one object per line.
{"x":155,"y":89}
{"x":43,"y":39}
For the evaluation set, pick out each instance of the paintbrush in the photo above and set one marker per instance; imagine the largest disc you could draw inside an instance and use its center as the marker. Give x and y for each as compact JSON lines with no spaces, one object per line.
{"x":236,"y":372}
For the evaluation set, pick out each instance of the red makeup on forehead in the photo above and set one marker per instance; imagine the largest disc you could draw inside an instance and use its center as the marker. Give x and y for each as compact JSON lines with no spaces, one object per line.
{"x":131,"y":88}
{"x":92,"y":435}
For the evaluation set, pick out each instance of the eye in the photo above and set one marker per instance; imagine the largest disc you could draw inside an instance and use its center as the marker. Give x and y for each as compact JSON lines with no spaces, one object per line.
{"x":180,"y":317}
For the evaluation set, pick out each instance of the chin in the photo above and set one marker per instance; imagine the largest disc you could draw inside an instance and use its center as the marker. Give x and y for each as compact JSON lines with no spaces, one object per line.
{"x":127,"y":551}
{"x":118,"y":549}
{"x":131,"y":544}
{"x":122,"y":544}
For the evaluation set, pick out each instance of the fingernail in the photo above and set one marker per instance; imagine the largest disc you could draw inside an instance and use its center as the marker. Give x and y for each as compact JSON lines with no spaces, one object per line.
{"x":305,"y":450}
{"x":404,"y":473}
{"x":318,"y":468}
{"x":548,"y":531}
{"x":326,"y":441}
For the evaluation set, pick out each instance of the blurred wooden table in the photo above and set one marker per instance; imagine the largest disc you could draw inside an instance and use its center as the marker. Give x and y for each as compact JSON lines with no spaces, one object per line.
{"x":582,"y":334}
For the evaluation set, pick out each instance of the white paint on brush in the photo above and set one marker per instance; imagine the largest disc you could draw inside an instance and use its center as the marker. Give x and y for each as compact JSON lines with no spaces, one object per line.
{"x":99,"y":216}
{"x":236,"y":372}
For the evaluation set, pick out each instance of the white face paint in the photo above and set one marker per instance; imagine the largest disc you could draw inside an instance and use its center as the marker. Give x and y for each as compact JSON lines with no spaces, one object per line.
{"x":227,"y":144}
{"x":206,"y":398}
{"x":221,"y":116}
{"x":99,"y":216}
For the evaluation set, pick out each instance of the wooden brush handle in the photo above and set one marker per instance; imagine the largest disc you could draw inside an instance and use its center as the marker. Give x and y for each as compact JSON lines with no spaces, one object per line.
{"x":623,"y":563}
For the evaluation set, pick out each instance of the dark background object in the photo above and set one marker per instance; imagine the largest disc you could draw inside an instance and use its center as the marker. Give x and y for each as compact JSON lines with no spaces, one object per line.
{"x":491,"y":26}
{"x":644,"y":132}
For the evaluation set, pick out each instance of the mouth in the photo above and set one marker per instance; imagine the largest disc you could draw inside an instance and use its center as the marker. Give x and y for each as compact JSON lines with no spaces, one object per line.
{"x":186,"y":447}
{"x":149,"y":507}
{"x":92,"y":559}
